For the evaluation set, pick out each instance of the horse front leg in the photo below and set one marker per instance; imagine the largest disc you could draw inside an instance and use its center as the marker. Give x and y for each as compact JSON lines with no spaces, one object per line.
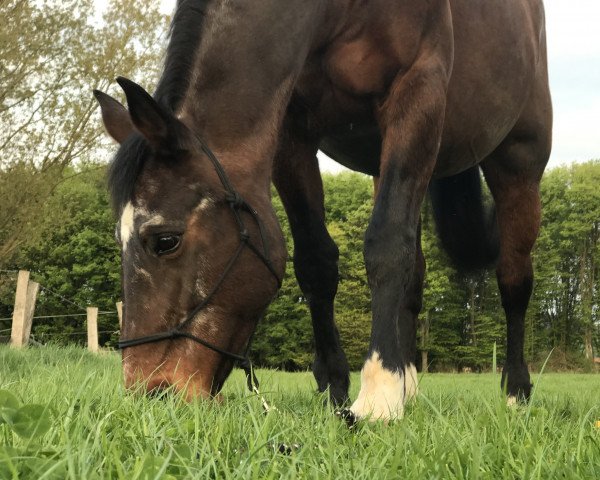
{"x":412,"y":120}
{"x":297,"y":178}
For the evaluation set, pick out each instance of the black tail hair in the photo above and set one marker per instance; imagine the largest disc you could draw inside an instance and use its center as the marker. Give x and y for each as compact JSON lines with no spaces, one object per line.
{"x":466,"y":227}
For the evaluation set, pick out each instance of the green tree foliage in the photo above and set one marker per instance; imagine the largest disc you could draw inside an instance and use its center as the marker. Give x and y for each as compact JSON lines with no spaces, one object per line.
{"x":283,"y":338}
{"x":78,"y":260}
{"x":353,"y":300}
{"x":52,"y":54}
{"x":566,"y":297}
{"x":461,"y":317}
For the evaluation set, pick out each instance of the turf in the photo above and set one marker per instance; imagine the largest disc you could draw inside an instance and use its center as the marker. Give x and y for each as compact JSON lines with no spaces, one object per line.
{"x":459,"y":427}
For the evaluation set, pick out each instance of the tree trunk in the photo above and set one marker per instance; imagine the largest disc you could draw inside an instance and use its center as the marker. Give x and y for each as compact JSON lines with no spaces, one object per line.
{"x":586,"y":286}
{"x":424,"y":361}
{"x":473,"y":334}
{"x":424,"y":343}
{"x":587,"y":343}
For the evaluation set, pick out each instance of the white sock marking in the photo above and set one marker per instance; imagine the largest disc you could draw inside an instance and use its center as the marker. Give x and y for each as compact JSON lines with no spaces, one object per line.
{"x":383,"y":393}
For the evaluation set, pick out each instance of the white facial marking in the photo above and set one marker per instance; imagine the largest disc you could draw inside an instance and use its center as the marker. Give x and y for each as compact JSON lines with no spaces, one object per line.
{"x":199,"y":288}
{"x":127,"y":224}
{"x":511,"y":401}
{"x":144,"y":274}
{"x":383,"y":393}
{"x":204,"y":204}
{"x":153,"y":220}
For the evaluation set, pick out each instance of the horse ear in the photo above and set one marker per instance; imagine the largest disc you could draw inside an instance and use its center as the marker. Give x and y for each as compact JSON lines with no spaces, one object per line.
{"x":147,"y":116}
{"x":115,"y":117}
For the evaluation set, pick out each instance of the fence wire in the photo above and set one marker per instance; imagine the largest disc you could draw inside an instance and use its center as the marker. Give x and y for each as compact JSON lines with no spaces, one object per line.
{"x":44,"y":334}
{"x":65,"y":300}
{"x":63,"y":315}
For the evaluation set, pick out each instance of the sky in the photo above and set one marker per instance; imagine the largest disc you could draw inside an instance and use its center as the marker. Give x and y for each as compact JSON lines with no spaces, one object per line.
{"x":574,"y":64}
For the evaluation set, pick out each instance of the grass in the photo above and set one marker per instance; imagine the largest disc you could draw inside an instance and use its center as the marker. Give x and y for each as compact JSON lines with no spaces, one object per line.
{"x":458,"y":428}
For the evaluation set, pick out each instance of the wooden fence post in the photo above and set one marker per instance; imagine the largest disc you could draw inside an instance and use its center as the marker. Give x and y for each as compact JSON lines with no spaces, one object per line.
{"x":32,"y":291}
{"x":92,"y":329}
{"x":120,"y":312}
{"x":20,"y":310}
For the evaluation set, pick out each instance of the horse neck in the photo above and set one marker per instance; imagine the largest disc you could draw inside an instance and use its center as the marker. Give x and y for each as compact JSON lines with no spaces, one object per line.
{"x":243,"y":74}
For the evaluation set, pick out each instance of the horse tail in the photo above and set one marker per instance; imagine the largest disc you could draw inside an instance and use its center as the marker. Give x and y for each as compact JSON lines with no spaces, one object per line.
{"x":466,"y":226}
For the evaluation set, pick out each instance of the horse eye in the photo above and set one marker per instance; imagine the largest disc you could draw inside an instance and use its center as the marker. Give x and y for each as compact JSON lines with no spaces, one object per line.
{"x":166,"y":243}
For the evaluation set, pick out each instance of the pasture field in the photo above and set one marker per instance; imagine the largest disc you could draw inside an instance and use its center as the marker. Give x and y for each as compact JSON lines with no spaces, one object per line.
{"x":87,"y":426}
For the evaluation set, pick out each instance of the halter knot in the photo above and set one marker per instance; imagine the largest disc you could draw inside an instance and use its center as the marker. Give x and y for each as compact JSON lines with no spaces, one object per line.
{"x":235,"y":200}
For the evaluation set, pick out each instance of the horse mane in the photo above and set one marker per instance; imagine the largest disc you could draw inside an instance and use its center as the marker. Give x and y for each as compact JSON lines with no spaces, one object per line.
{"x":184,"y":37}
{"x":125,"y":169}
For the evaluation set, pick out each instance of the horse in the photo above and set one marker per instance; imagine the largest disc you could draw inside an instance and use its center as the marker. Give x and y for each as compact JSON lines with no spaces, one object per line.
{"x":422,"y":95}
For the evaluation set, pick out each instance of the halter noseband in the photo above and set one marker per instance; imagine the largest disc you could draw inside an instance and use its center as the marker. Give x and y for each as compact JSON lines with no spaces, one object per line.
{"x":237,"y":204}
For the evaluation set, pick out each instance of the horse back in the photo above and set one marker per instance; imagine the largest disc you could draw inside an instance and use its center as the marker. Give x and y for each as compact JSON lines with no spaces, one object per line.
{"x":499,"y":63}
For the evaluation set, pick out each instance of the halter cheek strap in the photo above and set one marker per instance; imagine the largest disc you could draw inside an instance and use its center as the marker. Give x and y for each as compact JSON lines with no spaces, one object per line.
{"x":238,"y":205}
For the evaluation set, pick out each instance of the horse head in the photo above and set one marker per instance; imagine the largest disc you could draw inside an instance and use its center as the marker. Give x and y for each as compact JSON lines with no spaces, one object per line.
{"x":201,"y":260}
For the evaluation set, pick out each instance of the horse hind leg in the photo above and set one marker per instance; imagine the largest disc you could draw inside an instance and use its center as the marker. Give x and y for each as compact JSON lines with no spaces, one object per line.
{"x":513,"y":173}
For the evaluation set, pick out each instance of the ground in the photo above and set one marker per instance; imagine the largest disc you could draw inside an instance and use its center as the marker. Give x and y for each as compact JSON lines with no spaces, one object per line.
{"x":459,"y":427}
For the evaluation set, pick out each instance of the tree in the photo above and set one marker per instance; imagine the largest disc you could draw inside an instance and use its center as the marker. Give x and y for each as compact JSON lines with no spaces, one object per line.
{"x":566,"y":260}
{"x":284,"y":337}
{"x":52,"y":54}
{"x":78,"y":260}
{"x":437,"y":323}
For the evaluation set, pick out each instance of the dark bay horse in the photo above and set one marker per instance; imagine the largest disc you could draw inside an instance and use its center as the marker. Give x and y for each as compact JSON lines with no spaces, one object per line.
{"x":420,"y":94}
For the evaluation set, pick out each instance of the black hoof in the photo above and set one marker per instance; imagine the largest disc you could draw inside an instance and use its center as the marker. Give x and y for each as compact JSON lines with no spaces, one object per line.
{"x":516,"y":383}
{"x":348,"y":416}
{"x":285,"y":449}
{"x":521,"y":394}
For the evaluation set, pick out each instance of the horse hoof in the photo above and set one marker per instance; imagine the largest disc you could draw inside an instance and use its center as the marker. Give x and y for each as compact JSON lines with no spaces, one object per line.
{"x":348,"y":416}
{"x":285,"y":449}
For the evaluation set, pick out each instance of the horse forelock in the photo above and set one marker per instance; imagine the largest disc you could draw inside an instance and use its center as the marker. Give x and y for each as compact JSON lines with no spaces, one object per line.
{"x":125,"y":170}
{"x":185,"y":34}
